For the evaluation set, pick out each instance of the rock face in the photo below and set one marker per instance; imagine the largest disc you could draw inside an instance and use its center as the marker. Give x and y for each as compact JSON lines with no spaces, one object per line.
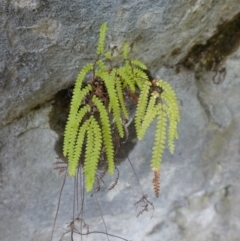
{"x":44,"y":44}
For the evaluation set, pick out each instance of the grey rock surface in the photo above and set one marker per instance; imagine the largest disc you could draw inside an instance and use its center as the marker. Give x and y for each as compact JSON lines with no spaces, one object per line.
{"x":43,"y":45}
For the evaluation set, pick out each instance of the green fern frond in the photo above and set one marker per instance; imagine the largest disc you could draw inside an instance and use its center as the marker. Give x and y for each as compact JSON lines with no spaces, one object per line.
{"x":126,"y":50}
{"x":170,"y":98}
{"x":106,"y":132}
{"x":114,"y":103}
{"x":73,"y":158}
{"x":172,"y":105}
{"x":108,"y":55}
{"x":80,"y":78}
{"x":160,"y":139}
{"x":92,"y":154}
{"x":172,"y":129}
{"x":139,"y":64}
{"x":171,"y":108}
{"x":99,"y":107}
{"x":141,"y":106}
{"x":119,"y":89}
{"x":101,"y":65}
{"x":90,"y":163}
{"x":126,"y":77}
{"x":109,"y":81}
{"x":101,"y":40}
{"x":172,"y":134}
{"x":78,"y":97}
{"x":71,"y":131}
{"x":129,"y":70}
{"x":73,"y":120}
{"x":176,"y":135}
{"x":151,"y":113}
{"x":140,"y":77}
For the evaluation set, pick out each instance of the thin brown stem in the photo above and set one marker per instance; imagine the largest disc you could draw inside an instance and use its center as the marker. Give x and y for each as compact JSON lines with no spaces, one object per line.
{"x":134,"y":172}
{"x":100,"y":210}
{"x":59,"y":201}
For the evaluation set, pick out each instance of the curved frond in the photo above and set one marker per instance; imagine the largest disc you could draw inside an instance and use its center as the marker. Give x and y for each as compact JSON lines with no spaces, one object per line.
{"x":93,"y":149}
{"x":101,"y":40}
{"x":139,"y":64}
{"x":172,"y":105}
{"x":119,"y":89}
{"x":171,"y":108}
{"x":172,"y":134}
{"x":151,"y":113}
{"x":80,"y":78}
{"x":101,"y":65}
{"x":160,"y":139}
{"x":172,"y":128}
{"x":106,"y":133}
{"x":170,"y":98}
{"x":73,"y":121}
{"x":140,"y":77}
{"x":126,"y":76}
{"x":141,"y":106}
{"x":79,"y":93}
{"x":71,"y":130}
{"x":78,"y":97}
{"x":109,"y":81}
{"x":73,"y":158}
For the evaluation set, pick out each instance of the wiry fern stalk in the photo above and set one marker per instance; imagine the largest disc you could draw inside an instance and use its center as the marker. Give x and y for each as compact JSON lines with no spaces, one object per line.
{"x":98,"y":107}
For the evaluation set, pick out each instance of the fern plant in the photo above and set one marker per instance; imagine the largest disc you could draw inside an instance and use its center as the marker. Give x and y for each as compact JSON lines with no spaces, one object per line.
{"x":98,"y":106}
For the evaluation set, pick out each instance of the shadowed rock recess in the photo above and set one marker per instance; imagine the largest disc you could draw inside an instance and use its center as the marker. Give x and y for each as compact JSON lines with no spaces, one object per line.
{"x":192,"y":44}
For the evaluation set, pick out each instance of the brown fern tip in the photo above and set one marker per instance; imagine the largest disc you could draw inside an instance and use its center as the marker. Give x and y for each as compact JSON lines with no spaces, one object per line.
{"x":156,"y":183}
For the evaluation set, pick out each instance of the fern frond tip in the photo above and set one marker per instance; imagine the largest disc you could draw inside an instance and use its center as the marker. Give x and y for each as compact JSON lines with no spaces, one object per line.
{"x":101,"y":41}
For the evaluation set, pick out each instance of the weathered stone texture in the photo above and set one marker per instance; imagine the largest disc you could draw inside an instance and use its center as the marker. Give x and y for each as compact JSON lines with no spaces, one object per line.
{"x":43,"y":45}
